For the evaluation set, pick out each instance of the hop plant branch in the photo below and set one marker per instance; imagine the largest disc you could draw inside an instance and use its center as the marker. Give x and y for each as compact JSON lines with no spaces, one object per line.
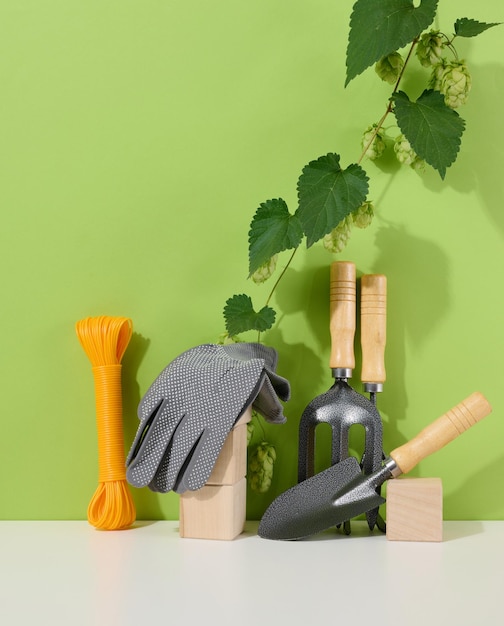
{"x":333,"y":199}
{"x":388,"y":110}
{"x":281,"y":275}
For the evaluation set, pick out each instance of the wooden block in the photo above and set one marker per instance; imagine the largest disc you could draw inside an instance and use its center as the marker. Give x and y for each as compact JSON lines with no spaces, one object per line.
{"x":415,"y":509}
{"x":213,"y":512}
{"x":231,"y":464}
{"x":217,"y":511}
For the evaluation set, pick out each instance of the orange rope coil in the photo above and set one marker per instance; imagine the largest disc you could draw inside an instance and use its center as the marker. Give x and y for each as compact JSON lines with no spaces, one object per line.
{"x":105,"y":340}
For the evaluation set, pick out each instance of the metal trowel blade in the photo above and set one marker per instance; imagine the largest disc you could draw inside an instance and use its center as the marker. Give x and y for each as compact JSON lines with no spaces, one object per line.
{"x":324,"y":500}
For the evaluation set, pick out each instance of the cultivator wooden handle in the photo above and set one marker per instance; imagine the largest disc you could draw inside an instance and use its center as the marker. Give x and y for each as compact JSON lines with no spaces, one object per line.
{"x":443,"y":430}
{"x":342,"y":315}
{"x":373,"y":312}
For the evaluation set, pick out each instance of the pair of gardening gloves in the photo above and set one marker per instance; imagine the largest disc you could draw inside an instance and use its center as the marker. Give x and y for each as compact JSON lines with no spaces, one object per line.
{"x":191,"y":407}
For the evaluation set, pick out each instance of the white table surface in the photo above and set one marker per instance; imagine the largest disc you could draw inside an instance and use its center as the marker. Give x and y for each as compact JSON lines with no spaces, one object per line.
{"x":69,"y":573}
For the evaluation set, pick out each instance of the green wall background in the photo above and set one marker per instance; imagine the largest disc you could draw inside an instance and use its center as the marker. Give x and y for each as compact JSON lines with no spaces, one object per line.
{"x":136,"y":141}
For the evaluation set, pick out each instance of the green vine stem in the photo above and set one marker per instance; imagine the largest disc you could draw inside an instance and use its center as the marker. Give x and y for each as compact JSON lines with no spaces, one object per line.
{"x":389,"y":106}
{"x":339,"y":195}
{"x":276,"y":284}
{"x":366,"y":147}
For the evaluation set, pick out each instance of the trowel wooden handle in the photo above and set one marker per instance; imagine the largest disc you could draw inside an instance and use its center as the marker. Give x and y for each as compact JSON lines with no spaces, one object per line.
{"x":445,"y":429}
{"x":373,"y":311}
{"x":342,"y":314}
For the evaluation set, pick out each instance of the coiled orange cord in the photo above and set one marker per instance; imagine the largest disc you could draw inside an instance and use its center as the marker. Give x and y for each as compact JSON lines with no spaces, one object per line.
{"x":105,"y":340}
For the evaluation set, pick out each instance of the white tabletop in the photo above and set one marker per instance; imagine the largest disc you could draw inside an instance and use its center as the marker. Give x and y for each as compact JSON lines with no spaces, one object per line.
{"x":69,"y":573}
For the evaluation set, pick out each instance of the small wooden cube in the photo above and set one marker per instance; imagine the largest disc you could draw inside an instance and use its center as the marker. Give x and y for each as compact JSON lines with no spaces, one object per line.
{"x":231,"y":464}
{"x":214,"y":511}
{"x":218,"y":510}
{"x":415,"y":509}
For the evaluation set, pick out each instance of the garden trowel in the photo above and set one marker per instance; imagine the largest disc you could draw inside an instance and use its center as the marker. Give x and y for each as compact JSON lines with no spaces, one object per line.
{"x":342,"y":491}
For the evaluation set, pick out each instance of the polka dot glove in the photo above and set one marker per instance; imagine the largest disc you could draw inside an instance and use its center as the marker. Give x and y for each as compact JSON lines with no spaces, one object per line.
{"x":274,"y":386}
{"x":190,"y":408}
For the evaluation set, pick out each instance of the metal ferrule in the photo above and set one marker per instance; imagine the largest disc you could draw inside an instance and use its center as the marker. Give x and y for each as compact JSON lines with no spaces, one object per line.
{"x":342,"y":372}
{"x":392,"y":467}
{"x":373,"y":387}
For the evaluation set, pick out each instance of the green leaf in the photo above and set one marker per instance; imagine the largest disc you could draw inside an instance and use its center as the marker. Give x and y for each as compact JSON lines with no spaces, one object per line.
{"x":379,"y":27}
{"x":433,"y":129}
{"x":327,"y":194}
{"x":272,"y":230}
{"x":239,"y":316}
{"x":465,"y":27}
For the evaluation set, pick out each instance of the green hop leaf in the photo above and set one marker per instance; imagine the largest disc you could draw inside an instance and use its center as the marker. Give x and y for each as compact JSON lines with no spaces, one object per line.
{"x":327,"y":194}
{"x":272,"y":230}
{"x":433,"y":129}
{"x":464,"y":27}
{"x":379,"y":27}
{"x":239,"y":316}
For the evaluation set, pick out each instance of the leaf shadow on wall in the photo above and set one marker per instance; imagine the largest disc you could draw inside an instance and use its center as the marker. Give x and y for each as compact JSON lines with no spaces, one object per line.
{"x":301,"y":366}
{"x":305,"y":292}
{"x":418,"y":297}
{"x":145,"y":500}
{"x":479,"y":164}
{"x":484,"y":140}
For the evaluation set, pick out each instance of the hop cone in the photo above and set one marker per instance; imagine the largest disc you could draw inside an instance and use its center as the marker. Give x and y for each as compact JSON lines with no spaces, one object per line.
{"x":430,"y":48}
{"x":225,"y":339}
{"x":338,"y":238}
{"x":437,"y":75}
{"x":260,"y":469}
{"x":265,"y":271}
{"x":453,"y":80}
{"x":377,"y":146}
{"x":405,"y":153}
{"x":250,"y":432}
{"x":363,"y":216}
{"x":389,"y":67}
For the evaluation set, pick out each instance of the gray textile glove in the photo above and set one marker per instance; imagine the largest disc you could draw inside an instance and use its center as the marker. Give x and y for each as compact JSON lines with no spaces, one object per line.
{"x":274,"y":386}
{"x":190,"y":408}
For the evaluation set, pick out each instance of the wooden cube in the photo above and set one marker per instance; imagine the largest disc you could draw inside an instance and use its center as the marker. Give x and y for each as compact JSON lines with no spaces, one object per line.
{"x":218,"y":510}
{"x":231,"y":464}
{"x":415,"y":509}
{"x":214,"y":511}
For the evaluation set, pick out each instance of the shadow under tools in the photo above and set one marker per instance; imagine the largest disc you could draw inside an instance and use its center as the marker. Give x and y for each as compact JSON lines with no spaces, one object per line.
{"x":305,"y":372}
{"x":360,"y":529}
{"x":412,"y":312}
{"x":301,"y":366}
{"x":306,"y":291}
